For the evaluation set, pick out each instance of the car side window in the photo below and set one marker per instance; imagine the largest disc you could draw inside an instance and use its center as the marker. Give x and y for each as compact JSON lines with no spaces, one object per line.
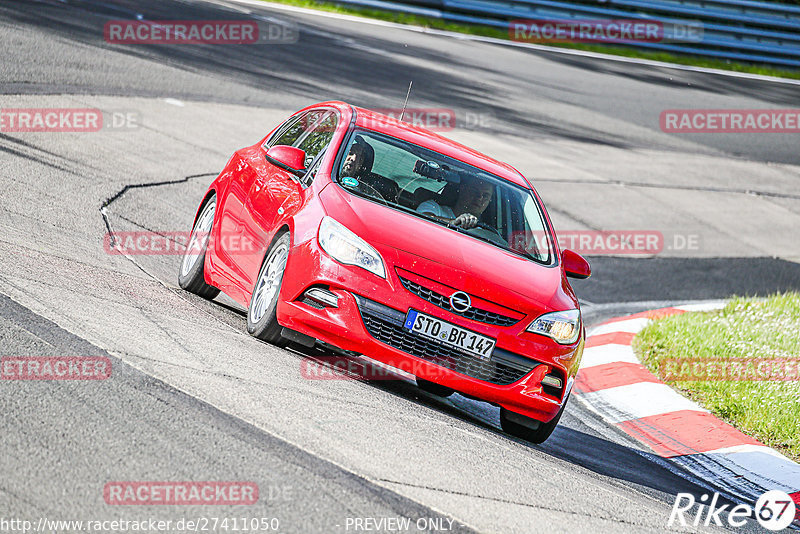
{"x":290,"y":132}
{"x":311,"y":132}
{"x":322,"y":125}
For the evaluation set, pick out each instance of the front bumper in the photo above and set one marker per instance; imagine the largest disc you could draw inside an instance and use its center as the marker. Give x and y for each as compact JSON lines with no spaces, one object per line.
{"x":373,"y":326}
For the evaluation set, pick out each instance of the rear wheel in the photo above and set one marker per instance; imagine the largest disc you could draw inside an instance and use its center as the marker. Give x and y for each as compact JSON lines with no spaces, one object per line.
{"x":191,"y":275}
{"x":434,"y":388}
{"x":262,"y":321}
{"x":527,"y":428}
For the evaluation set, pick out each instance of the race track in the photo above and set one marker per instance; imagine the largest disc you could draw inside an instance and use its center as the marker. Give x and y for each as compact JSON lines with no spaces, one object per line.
{"x":193,"y":397}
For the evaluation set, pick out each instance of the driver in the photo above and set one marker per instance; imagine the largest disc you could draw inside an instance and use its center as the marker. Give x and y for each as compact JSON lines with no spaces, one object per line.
{"x":359,"y":160}
{"x":358,"y":164}
{"x":474,"y":196}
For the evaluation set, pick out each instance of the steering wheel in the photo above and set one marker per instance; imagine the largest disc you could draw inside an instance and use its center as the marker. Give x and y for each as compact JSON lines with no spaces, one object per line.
{"x":481,"y":225}
{"x":491,"y":229}
{"x":372,"y":192}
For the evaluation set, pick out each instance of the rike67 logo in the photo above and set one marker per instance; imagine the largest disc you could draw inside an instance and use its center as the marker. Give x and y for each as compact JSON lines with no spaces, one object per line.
{"x":774,"y":510}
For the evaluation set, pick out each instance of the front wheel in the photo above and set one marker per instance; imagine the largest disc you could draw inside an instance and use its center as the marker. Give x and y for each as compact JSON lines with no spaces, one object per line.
{"x":262,"y":320}
{"x":191,"y":276}
{"x":529,"y":429}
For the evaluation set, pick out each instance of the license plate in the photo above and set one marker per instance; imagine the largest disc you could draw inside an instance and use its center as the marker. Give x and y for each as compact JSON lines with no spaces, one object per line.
{"x":449,"y":334}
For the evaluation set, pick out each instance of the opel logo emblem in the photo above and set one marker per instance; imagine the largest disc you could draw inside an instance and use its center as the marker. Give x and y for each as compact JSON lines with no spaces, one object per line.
{"x":460,"y":301}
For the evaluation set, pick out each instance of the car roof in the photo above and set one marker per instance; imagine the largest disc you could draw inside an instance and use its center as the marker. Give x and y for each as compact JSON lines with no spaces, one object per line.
{"x":382,"y":123}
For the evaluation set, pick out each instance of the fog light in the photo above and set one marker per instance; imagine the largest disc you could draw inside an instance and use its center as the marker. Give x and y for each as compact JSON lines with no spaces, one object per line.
{"x":552,"y":381}
{"x":322,"y":296}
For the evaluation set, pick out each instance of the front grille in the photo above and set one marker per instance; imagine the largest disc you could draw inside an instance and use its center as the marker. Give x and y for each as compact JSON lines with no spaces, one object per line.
{"x":476,"y":314}
{"x":386,"y":324}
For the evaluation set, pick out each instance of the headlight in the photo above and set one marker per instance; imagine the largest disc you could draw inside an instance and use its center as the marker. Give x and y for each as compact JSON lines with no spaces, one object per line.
{"x":346,"y":247}
{"x":563,"y":326}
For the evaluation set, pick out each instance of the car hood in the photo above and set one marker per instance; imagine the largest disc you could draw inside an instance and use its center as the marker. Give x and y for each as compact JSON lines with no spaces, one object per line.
{"x":457,"y":260}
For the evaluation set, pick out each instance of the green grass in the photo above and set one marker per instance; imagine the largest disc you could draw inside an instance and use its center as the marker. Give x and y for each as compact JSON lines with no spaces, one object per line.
{"x":485,"y":31}
{"x":746,"y":328}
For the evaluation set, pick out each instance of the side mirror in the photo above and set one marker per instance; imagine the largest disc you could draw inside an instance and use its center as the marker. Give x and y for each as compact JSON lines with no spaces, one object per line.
{"x":575,"y":265}
{"x":288,"y":158}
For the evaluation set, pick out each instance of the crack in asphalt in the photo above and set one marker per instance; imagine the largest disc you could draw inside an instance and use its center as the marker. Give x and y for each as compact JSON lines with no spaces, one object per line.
{"x":113,"y":198}
{"x":103,"y":210}
{"x":110,"y":200}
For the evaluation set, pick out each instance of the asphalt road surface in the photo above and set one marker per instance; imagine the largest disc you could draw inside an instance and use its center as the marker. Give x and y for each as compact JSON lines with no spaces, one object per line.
{"x":193,"y":398}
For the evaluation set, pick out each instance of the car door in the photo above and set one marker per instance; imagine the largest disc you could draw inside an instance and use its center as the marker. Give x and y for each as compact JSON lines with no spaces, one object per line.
{"x":246,"y":167}
{"x":230,"y":208}
{"x":277,"y":193}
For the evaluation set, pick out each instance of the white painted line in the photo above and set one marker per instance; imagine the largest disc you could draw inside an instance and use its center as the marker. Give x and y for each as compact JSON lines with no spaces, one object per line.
{"x":738,"y":467}
{"x":611,"y":353}
{"x":760,"y":465}
{"x":630,"y":325}
{"x":708,"y":306}
{"x":515,"y":44}
{"x":634,"y":401}
{"x":749,"y":448}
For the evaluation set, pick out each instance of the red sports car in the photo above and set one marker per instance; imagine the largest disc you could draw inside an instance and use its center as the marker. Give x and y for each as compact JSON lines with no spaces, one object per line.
{"x":350,"y":228}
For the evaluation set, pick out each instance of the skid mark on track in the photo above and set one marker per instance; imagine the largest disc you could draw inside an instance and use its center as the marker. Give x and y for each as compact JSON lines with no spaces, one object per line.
{"x":536,"y":506}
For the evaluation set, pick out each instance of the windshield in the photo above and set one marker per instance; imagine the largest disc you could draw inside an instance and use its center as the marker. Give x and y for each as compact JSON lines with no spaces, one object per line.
{"x":436,"y":187}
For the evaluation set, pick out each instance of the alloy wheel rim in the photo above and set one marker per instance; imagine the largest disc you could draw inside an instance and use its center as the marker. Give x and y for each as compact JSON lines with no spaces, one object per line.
{"x":268,"y":282}
{"x":199,"y":239}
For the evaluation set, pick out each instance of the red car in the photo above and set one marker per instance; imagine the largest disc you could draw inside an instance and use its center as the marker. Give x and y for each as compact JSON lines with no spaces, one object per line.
{"x":350,"y":228}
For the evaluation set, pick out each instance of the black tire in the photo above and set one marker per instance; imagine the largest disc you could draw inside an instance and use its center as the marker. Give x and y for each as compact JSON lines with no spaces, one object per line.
{"x":191,"y":276}
{"x":262,"y":321}
{"x":537,"y":435}
{"x":434,"y":388}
